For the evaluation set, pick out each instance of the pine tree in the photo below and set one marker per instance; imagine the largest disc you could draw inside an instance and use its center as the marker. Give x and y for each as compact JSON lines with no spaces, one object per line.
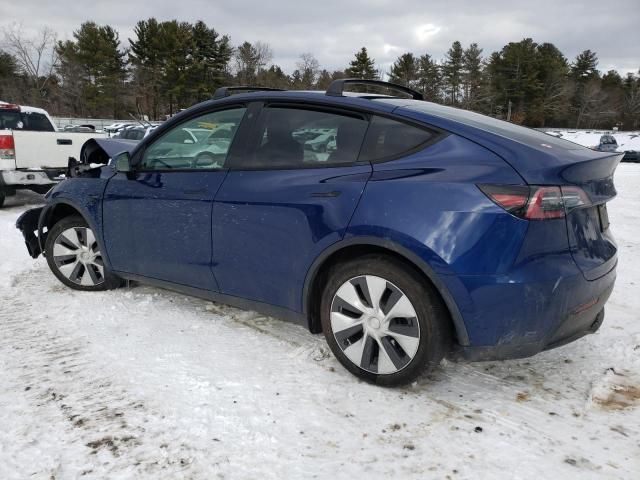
{"x":552,"y":104}
{"x":514,"y":80}
{"x":471,"y":76}
{"x":404,"y":71}
{"x":452,"y":72}
{"x":273,"y":77}
{"x":9,"y":78}
{"x":146,"y":58}
{"x":96,"y":57}
{"x":585,"y":66}
{"x":209,"y":55}
{"x":362,"y":66}
{"x":586,"y":99}
{"x":429,"y":81}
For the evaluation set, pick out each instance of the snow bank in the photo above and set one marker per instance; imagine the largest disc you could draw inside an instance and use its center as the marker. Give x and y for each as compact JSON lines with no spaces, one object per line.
{"x":588,"y":138}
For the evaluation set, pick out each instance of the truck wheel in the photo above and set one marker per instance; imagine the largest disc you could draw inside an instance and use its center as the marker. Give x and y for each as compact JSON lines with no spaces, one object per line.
{"x":2,"y":197}
{"x":74,"y":256}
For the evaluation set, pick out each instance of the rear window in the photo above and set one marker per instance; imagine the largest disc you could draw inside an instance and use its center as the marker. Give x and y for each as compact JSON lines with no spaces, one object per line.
{"x":35,"y":122}
{"x":528,"y":136}
{"x":388,"y":138}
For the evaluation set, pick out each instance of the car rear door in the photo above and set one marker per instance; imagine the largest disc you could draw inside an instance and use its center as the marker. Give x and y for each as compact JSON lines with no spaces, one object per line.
{"x":283,"y":201}
{"x":157,"y":219}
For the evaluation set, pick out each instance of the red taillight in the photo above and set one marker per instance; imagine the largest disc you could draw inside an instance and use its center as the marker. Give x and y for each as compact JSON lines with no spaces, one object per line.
{"x":6,"y":141}
{"x":545,"y":203}
{"x":7,"y":147}
{"x":535,"y":202}
{"x":513,"y":198}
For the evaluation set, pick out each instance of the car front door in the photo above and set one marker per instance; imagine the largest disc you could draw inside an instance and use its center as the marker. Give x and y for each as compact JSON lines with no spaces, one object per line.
{"x":283,"y":202}
{"x":157,"y":219}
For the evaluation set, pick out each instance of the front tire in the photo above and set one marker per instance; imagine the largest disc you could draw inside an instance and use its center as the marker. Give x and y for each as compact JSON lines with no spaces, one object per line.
{"x":74,"y":256}
{"x":383,"y":321}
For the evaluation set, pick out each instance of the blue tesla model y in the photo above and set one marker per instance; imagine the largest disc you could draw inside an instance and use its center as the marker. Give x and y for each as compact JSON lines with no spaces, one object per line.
{"x":401,"y":229}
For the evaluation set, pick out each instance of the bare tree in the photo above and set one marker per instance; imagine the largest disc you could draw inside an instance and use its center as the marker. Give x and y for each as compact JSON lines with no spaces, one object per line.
{"x":35,"y":55}
{"x":264,"y":55}
{"x":592,"y":103}
{"x":309,"y":69}
{"x":631,"y":103}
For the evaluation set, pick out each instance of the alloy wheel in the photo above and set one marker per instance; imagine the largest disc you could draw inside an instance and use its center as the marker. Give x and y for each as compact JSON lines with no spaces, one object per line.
{"x":375,"y":324}
{"x":77,"y":256}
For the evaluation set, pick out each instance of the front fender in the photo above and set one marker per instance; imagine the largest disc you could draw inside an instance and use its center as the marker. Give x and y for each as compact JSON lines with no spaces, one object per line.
{"x":84,"y":195}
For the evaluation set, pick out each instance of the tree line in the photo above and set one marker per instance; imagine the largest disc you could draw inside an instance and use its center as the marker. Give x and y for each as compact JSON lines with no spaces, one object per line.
{"x":170,"y":65}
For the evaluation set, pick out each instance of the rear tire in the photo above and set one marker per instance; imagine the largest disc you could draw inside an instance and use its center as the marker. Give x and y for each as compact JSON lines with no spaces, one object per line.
{"x":383,"y":321}
{"x":74,"y":256}
{"x":2,"y":197}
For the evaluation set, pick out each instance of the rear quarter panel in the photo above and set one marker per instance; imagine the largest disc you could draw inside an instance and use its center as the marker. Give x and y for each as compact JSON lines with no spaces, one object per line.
{"x":429,"y":202}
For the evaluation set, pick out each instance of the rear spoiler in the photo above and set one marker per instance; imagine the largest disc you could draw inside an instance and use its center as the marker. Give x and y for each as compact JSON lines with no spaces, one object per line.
{"x":594,"y":176}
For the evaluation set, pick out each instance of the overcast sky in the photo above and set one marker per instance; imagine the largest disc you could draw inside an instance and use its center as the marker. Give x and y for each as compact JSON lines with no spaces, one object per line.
{"x":334,"y":30}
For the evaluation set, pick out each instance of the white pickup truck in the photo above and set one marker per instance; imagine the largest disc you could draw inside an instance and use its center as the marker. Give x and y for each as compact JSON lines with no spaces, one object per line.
{"x":33,"y":153}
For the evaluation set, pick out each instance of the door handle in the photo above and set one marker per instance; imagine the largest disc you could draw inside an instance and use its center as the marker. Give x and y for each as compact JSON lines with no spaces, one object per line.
{"x":64,"y":141}
{"x":195,"y":191}
{"x":325,"y":194}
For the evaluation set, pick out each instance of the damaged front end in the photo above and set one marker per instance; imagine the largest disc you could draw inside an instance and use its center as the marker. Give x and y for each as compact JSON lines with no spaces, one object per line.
{"x":29,"y":224}
{"x":94,"y":155}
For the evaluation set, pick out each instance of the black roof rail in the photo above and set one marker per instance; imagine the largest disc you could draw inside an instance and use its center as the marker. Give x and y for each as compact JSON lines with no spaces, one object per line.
{"x":336,"y":89}
{"x":223,"y":92}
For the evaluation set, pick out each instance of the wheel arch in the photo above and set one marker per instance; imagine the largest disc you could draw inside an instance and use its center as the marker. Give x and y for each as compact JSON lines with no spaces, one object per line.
{"x":357,"y":246}
{"x":62,"y":208}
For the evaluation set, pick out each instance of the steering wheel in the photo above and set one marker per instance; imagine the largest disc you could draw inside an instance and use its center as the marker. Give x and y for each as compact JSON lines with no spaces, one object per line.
{"x":206,"y":158}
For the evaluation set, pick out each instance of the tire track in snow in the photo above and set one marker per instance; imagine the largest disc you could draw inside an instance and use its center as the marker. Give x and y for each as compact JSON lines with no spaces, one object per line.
{"x":105,"y":423}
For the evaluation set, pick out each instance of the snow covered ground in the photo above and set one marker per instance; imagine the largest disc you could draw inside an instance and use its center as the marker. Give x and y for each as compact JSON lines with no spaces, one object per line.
{"x":591,"y":138}
{"x":147,"y":384}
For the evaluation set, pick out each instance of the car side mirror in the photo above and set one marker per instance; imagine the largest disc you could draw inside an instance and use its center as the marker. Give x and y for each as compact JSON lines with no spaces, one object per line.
{"x":122,"y":161}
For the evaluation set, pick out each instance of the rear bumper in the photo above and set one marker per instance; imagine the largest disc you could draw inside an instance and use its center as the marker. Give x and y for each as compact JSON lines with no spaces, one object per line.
{"x":528,"y":318}
{"x":26,"y":177}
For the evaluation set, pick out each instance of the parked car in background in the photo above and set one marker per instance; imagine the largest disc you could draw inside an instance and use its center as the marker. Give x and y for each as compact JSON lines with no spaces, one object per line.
{"x":78,"y":128}
{"x":33,"y":153}
{"x":429,"y":231}
{"x":607,"y":143}
{"x":114,"y":128}
{"x":134,"y":132}
{"x":322,"y":143}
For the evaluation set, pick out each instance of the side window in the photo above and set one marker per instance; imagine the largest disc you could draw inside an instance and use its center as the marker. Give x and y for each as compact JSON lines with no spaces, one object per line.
{"x":196,"y":143}
{"x":388,"y":138}
{"x":292,"y":137}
